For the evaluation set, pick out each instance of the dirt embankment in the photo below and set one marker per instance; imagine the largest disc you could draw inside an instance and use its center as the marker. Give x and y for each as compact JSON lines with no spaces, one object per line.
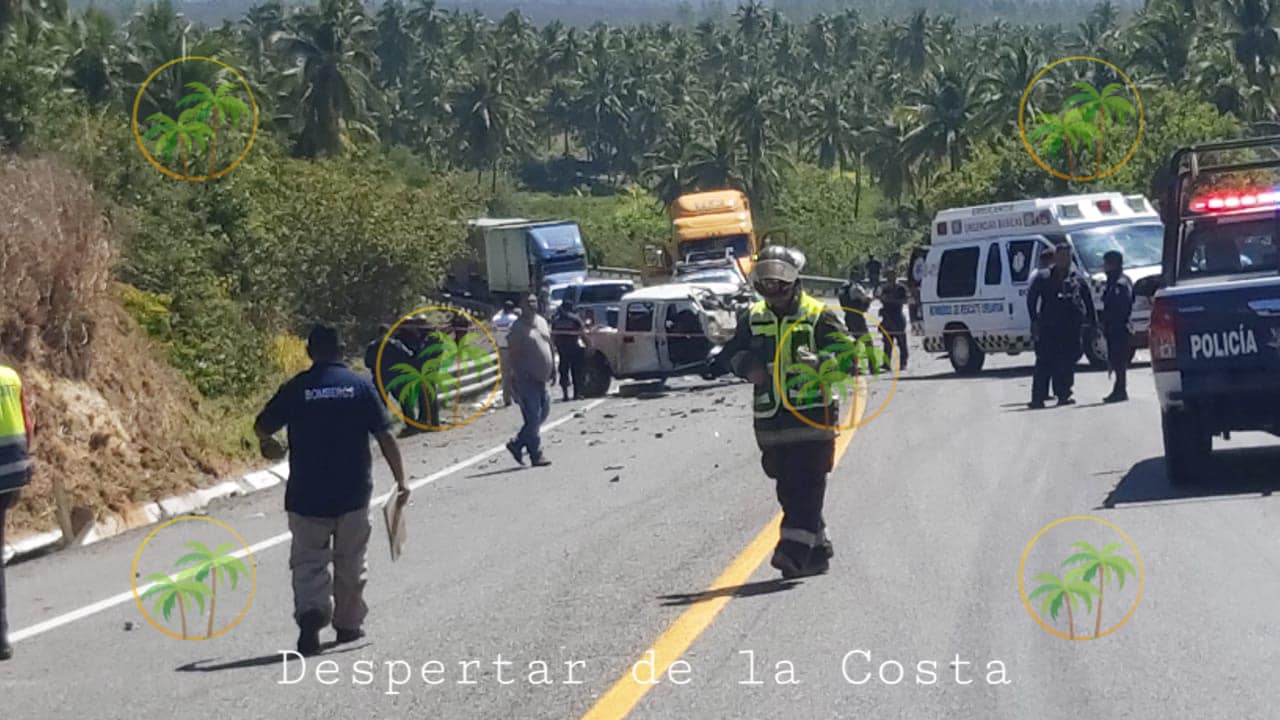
{"x":114,"y":423}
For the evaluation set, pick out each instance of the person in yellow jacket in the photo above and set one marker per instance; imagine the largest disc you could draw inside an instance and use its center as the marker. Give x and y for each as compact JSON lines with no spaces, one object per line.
{"x":15,"y":469}
{"x":797,"y":454}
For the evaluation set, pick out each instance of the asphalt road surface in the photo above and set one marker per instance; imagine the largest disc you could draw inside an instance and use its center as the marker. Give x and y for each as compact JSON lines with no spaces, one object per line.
{"x":651,"y":531}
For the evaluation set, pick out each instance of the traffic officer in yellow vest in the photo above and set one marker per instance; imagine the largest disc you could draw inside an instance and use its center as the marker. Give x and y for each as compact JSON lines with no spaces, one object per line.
{"x":796,"y":454}
{"x":14,"y":470}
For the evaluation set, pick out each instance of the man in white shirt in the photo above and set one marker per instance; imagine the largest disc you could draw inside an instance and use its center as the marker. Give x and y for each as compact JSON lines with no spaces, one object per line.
{"x":501,"y":329}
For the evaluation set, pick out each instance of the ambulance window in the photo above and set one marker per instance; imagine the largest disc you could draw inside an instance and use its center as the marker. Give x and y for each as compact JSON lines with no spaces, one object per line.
{"x":995,"y":268}
{"x":640,"y":317}
{"x":958,"y":273}
{"x":1022,"y":259}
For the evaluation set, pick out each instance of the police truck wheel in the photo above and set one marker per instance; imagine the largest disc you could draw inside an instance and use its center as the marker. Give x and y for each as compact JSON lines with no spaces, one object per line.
{"x":1187,"y":447}
{"x":965,"y":355}
{"x":1095,"y":349}
{"x":596,"y":377}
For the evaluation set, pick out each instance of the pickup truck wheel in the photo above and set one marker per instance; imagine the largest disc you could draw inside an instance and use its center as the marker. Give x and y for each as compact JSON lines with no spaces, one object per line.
{"x":596,"y":377}
{"x":1187,"y":447}
{"x":1095,"y":349}
{"x":965,"y":355}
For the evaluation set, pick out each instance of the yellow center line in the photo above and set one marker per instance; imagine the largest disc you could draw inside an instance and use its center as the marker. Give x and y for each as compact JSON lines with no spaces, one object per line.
{"x":626,"y":693}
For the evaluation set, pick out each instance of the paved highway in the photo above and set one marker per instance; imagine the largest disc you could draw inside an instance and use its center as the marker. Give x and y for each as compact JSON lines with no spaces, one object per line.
{"x":651,"y":531}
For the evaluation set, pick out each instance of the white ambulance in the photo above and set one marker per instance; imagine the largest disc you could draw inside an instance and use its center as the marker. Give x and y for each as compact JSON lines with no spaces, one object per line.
{"x":974,"y":277}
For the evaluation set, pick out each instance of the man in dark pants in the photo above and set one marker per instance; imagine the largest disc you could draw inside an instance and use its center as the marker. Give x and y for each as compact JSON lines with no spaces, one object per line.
{"x":1117,"y":305}
{"x":532,"y":369}
{"x":15,"y":470}
{"x":567,"y":329}
{"x":893,"y":301}
{"x":330,"y":412}
{"x":855,"y":297}
{"x":795,"y":453}
{"x":1060,"y":305}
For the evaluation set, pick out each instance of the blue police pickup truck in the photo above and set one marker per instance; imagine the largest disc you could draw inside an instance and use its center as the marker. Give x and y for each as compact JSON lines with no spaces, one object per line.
{"x":1215,"y":317}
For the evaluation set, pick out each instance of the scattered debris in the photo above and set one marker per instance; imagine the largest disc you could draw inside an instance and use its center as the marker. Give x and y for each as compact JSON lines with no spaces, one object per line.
{"x":579,"y":414}
{"x":698,"y":410}
{"x":614,"y":467}
{"x":128,"y":625}
{"x":657,"y":435}
{"x":615,"y":478}
{"x":593,"y":442}
{"x":717,"y":434}
{"x":719,"y":401}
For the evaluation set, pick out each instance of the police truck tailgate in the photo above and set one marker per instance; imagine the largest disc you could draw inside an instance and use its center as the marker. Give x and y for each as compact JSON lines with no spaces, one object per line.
{"x":1228,"y":335}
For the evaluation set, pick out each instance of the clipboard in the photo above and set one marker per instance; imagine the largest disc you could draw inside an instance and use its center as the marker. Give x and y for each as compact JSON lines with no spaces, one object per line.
{"x":393,"y":514}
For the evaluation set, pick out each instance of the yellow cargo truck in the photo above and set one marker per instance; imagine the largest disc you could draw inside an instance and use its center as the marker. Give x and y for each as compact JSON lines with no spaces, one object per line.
{"x":707,"y":224}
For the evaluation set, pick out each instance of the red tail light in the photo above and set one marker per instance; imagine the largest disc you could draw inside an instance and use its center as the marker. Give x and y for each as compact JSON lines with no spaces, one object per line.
{"x":1162,"y":335}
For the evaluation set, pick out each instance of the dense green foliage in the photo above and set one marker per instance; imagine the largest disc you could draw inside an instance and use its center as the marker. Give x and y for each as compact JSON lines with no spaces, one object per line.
{"x":384,"y":128}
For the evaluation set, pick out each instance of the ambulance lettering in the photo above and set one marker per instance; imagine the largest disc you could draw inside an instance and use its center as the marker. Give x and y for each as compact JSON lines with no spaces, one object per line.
{"x":1228,"y":343}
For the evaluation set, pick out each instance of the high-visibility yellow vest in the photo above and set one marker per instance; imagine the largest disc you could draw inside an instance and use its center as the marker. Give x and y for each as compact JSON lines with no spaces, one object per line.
{"x":800,"y":330}
{"x":14,"y":463}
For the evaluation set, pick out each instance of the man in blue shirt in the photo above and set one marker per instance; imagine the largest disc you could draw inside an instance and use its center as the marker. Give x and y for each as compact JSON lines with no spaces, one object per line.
{"x":330,"y":412}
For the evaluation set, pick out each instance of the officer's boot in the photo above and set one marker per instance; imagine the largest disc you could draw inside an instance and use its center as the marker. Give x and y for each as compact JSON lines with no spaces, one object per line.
{"x":796,"y":560}
{"x":6,"y":650}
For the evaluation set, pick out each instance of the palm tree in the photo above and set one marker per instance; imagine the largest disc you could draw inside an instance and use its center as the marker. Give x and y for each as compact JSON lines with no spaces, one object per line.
{"x":1103,"y":564}
{"x":1066,"y":131}
{"x":446,"y":352}
{"x":177,"y":590}
{"x":940,"y":113}
{"x":215,"y":105}
{"x":1254,"y":38}
{"x":183,"y":135}
{"x":1063,"y":591}
{"x":208,"y":564}
{"x":1101,"y":107}
{"x":334,"y":90}
{"x":414,"y":384}
{"x":823,"y":382}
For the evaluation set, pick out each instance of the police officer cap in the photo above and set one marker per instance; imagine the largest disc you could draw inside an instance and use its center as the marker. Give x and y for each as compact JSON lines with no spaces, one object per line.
{"x":777,"y":262}
{"x":1112,"y":256}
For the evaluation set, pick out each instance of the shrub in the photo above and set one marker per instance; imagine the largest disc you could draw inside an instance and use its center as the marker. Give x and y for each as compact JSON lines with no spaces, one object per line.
{"x":56,"y":258}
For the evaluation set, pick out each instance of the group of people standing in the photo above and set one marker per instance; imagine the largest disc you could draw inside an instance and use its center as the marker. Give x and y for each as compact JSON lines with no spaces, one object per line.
{"x":1062,"y":312}
{"x":894,"y":298}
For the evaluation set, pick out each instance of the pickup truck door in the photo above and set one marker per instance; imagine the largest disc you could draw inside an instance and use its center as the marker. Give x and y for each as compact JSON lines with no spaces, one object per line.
{"x":639,"y":341}
{"x":670,"y":334}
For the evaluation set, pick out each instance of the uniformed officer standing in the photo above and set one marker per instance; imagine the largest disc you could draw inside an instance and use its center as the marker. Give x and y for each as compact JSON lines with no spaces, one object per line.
{"x":1060,"y":305}
{"x":855,"y":297}
{"x":893,"y":300}
{"x":15,"y":470}
{"x":1117,"y":305}
{"x":795,"y":454}
{"x":330,"y":412}
{"x":567,"y":330}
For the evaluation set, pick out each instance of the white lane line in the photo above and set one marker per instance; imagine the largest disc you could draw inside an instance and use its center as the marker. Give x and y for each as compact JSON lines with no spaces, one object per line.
{"x":95,"y":608}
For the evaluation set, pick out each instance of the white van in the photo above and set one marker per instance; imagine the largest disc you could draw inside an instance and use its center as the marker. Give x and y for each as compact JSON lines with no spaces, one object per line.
{"x":974,"y":279}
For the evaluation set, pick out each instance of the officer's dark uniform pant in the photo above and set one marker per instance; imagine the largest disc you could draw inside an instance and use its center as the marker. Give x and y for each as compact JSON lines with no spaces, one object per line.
{"x":896,"y":327}
{"x":6,"y":499}
{"x":1118,"y":356}
{"x":570,"y":367}
{"x":800,"y":470}
{"x":1056,"y":354}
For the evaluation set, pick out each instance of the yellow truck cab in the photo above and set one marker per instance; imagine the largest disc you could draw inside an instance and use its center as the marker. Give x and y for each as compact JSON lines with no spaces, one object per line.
{"x":713,"y":222}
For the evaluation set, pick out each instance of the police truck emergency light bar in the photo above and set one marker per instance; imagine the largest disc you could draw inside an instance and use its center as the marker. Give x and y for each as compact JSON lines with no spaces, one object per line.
{"x":1234,"y":200}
